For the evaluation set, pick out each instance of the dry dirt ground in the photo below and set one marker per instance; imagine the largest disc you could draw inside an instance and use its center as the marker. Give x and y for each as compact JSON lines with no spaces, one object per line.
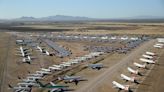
{"x":97,"y":81}
{"x":154,"y":81}
{"x":104,"y":28}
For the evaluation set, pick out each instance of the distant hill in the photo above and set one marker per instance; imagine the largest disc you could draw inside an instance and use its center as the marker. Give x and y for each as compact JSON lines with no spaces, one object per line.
{"x":54,"y":18}
{"x":79,"y":18}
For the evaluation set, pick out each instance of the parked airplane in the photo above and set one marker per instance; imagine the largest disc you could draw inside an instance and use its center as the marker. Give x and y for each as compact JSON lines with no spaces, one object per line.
{"x":157,"y":46}
{"x":36,"y":75}
{"x":150,"y":53}
{"x":40,"y":49}
{"x":23,"y":52}
{"x":133,"y":71}
{"x":147,"y":56}
{"x":44,"y":51}
{"x":46,"y":70}
{"x":139,"y":65}
{"x":20,"y":88}
{"x":43,"y":72}
{"x":147,"y":61}
{"x":29,"y":84}
{"x":56,"y":89}
{"x":96,"y":66}
{"x":69,"y":79}
{"x":51,"y":86}
{"x":54,"y":68}
{"x":131,"y":79}
{"x":29,"y":80}
{"x":120,"y":86}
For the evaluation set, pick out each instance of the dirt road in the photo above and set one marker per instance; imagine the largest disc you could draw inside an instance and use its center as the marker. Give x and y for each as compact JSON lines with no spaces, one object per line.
{"x":95,"y":83}
{"x":4,"y":62}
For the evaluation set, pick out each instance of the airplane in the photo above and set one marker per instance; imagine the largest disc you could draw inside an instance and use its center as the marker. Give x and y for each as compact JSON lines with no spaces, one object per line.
{"x":54,"y":68}
{"x":51,"y":86}
{"x":23,"y":52}
{"x":44,"y":51}
{"x":147,"y":56}
{"x":120,"y":86}
{"x":29,"y":84}
{"x":147,"y":61}
{"x":27,"y":59}
{"x":46,"y":70}
{"x":56,"y":89}
{"x":133,"y":71}
{"x":29,"y":80}
{"x":36,"y":75}
{"x":40,"y":49}
{"x":97,"y":66}
{"x":131,"y":79}
{"x":150,"y":53}
{"x":70,"y":79}
{"x":65,"y":65}
{"x":43,"y":72}
{"x":158,"y":46}
{"x":139,"y":65}
{"x":20,"y":88}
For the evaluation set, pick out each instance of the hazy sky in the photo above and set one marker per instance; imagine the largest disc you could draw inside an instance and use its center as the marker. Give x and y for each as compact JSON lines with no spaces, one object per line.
{"x":88,"y":8}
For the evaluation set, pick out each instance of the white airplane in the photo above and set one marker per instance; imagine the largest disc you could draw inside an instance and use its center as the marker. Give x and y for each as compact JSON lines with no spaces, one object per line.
{"x":158,"y":46}
{"x":40,"y":49}
{"x":19,"y":88}
{"x":120,"y":86}
{"x":46,"y":70}
{"x":29,"y":80}
{"x":43,"y":72}
{"x":23,"y":51}
{"x":147,"y":56}
{"x":70,"y":79}
{"x":150,"y":53}
{"x":74,"y":62}
{"x":65,"y":65}
{"x":27,"y":59}
{"x":139,"y":65}
{"x":54,"y":68}
{"x":147,"y":61}
{"x":36,"y":75}
{"x":56,"y":89}
{"x":44,"y":51}
{"x":28,"y":84}
{"x":131,"y":79}
{"x":133,"y":71}
{"x":59,"y":66}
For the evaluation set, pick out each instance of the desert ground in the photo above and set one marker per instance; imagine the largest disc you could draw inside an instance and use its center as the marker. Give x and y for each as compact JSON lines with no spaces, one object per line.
{"x":12,"y":70}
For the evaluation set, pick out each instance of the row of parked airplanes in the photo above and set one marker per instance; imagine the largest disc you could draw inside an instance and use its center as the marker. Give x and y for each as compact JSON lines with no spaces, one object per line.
{"x":32,"y":79}
{"x":25,"y":53}
{"x":147,"y":58}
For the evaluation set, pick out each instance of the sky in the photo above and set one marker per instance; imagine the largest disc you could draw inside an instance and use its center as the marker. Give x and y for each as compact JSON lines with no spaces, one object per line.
{"x":88,"y":8}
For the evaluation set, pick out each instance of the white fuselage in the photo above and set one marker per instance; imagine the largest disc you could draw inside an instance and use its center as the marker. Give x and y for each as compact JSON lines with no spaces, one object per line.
{"x":132,"y":71}
{"x":120,"y":86}
{"x":127,"y":78}
{"x":139,"y":65}
{"x":147,"y":61}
